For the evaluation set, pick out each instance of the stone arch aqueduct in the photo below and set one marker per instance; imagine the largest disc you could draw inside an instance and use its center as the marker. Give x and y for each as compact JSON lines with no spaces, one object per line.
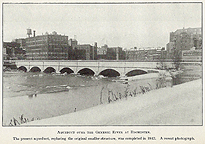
{"x":122,"y":67}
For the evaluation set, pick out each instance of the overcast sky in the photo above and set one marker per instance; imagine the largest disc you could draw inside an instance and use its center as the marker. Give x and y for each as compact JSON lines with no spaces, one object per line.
{"x":125,"y":25}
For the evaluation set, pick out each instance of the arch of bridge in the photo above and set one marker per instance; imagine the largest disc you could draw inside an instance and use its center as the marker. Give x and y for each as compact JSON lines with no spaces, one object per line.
{"x":22,"y":67}
{"x":76,"y":69}
{"x":42,"y":68}
{"x":91,"y":68}
{"x":127,"y":70}
{"x":119,"y":70}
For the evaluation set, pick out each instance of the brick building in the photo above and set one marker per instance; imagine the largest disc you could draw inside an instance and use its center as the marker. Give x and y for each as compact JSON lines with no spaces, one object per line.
{"x":145,"y":54}
{"x":86,"y":51}
{"x":184,"y":39}
{"x":102,"y":52}
{"x":72,"y":42}
{"x":22,"y":42}
{"x":12,"y":50}
{"x":49,"y":46}
{"x":115,"y":53}
{"x":192,"y":55}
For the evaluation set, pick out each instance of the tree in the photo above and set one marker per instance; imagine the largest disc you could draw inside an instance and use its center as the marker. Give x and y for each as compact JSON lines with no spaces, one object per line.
{"x":162,"y":59}
{"x":176,"y":58}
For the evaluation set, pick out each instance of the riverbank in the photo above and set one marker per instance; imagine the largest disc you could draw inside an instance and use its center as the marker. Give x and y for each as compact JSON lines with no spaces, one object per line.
{"x":177,"y":105}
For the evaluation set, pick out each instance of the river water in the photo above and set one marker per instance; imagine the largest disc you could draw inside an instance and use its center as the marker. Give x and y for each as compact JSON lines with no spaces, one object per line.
{"x":41,"y":95}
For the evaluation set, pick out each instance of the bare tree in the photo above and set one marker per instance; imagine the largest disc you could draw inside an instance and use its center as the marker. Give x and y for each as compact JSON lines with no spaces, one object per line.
{"x":162,"y":60}
{"x":176,"y":58}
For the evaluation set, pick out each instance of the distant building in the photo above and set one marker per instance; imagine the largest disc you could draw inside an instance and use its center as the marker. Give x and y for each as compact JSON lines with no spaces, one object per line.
{"x":72,"y":42}
{"x":4,"y":54}
{"x":86,"y":51}
{"x":49,"y":46}
{"x":184,"y":39}
{"x":22,"y":42}
{"x":115,"y":53}
{"x":102,"y":52}
{"x":13,"y":50}
{"x":145,"y":54}
{"x":192,"y":55}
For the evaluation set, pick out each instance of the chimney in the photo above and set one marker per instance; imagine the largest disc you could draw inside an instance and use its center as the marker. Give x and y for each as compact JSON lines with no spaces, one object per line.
{"x":34,"y":33}
{"x":95,"y":44}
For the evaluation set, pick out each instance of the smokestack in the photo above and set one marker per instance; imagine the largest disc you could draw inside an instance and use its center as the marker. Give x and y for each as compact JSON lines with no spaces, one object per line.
{"x":95,"y":44}
{"x":34,"y":33}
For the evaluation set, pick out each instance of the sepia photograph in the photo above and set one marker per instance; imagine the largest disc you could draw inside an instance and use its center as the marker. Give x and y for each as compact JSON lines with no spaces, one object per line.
{"x":102,"y":64}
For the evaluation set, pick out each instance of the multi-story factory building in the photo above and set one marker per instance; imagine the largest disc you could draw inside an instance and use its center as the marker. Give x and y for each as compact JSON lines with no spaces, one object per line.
{"x":48,"y":46}
{"x":146,"y":54}
{"x":184,"y":39}
{"x":86,"y":52}
{"x":115,"y":53}
{"x":102,"y":52}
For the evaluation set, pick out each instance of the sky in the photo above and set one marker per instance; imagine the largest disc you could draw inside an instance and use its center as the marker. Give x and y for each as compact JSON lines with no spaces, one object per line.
{"x":125,"y":25}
